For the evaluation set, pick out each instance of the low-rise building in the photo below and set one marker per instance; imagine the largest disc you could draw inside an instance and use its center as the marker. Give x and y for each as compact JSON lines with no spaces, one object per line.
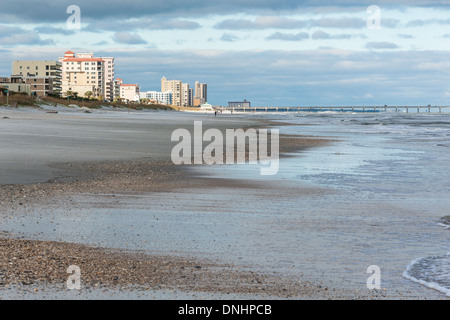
{"x":15,"y":85}
{"x":157,"y":97}
{"x":129,"y":92}
{"x":197,"y":102}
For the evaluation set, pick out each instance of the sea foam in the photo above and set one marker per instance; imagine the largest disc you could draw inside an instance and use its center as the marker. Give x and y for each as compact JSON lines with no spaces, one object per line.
{"x":432,"y":272}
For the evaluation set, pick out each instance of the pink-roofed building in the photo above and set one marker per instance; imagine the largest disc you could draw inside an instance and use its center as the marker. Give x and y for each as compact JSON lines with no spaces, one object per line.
{"x":82,"y":72}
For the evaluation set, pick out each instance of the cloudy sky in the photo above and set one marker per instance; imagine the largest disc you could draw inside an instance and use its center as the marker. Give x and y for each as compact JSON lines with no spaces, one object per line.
{"x":283,"y":52}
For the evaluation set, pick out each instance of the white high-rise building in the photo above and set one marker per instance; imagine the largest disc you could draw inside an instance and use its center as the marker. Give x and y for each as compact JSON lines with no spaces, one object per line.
{"x":185,"y":95}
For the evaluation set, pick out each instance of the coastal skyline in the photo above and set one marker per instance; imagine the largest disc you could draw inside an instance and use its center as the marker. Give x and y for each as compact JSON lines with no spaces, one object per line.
{"x":270,"y":53}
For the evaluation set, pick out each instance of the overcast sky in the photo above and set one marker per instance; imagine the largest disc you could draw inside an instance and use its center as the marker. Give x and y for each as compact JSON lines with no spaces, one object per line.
{"x":284,"y":52}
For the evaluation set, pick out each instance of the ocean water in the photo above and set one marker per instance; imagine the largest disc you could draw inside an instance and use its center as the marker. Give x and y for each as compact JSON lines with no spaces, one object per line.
{"x":378,"y":195}
{"x":387,"y":157}
{"x":390,"y":170}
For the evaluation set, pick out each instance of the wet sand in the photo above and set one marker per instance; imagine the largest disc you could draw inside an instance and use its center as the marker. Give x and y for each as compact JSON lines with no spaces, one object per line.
{"x":52,"y":157}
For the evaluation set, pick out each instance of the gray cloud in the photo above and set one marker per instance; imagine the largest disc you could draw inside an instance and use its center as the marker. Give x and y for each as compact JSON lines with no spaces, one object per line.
{"x":52,"y":30}
{"x":322,"y":35}
{"x":288,"y":36}
{"x":352,"y":23}
{"x":50,"y":10}
{"x":381,"y":45}
{"x":128,"y":38}
{"x":12,"y":36}
{"x":420,"y":22}
{"x":261,"y":23}
{"x":229,"y":37}
{"x":389,"y":23}
{"x":143,"y":24}
{"x":266,"y":22}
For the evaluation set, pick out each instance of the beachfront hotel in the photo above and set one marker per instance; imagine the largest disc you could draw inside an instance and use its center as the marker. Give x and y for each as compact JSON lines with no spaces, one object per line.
{"x":83,"y":73}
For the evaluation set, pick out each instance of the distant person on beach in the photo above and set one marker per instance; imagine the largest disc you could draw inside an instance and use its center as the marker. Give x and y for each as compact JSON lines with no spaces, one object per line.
{"x":215,"y":113}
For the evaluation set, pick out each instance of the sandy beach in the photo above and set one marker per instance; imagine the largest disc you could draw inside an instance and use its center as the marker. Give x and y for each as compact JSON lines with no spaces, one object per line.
{"x":100,"y":191}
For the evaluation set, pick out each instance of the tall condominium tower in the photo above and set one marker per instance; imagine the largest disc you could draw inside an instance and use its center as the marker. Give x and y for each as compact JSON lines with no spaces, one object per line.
{"x":174,"y":86}
{"x":186,"y":95}
{"x":201,"y":92}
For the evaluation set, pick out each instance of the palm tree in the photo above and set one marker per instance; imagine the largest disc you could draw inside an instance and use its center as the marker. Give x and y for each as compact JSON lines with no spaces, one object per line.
{"x":68,"y":94}
{"x":89,"y":94}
